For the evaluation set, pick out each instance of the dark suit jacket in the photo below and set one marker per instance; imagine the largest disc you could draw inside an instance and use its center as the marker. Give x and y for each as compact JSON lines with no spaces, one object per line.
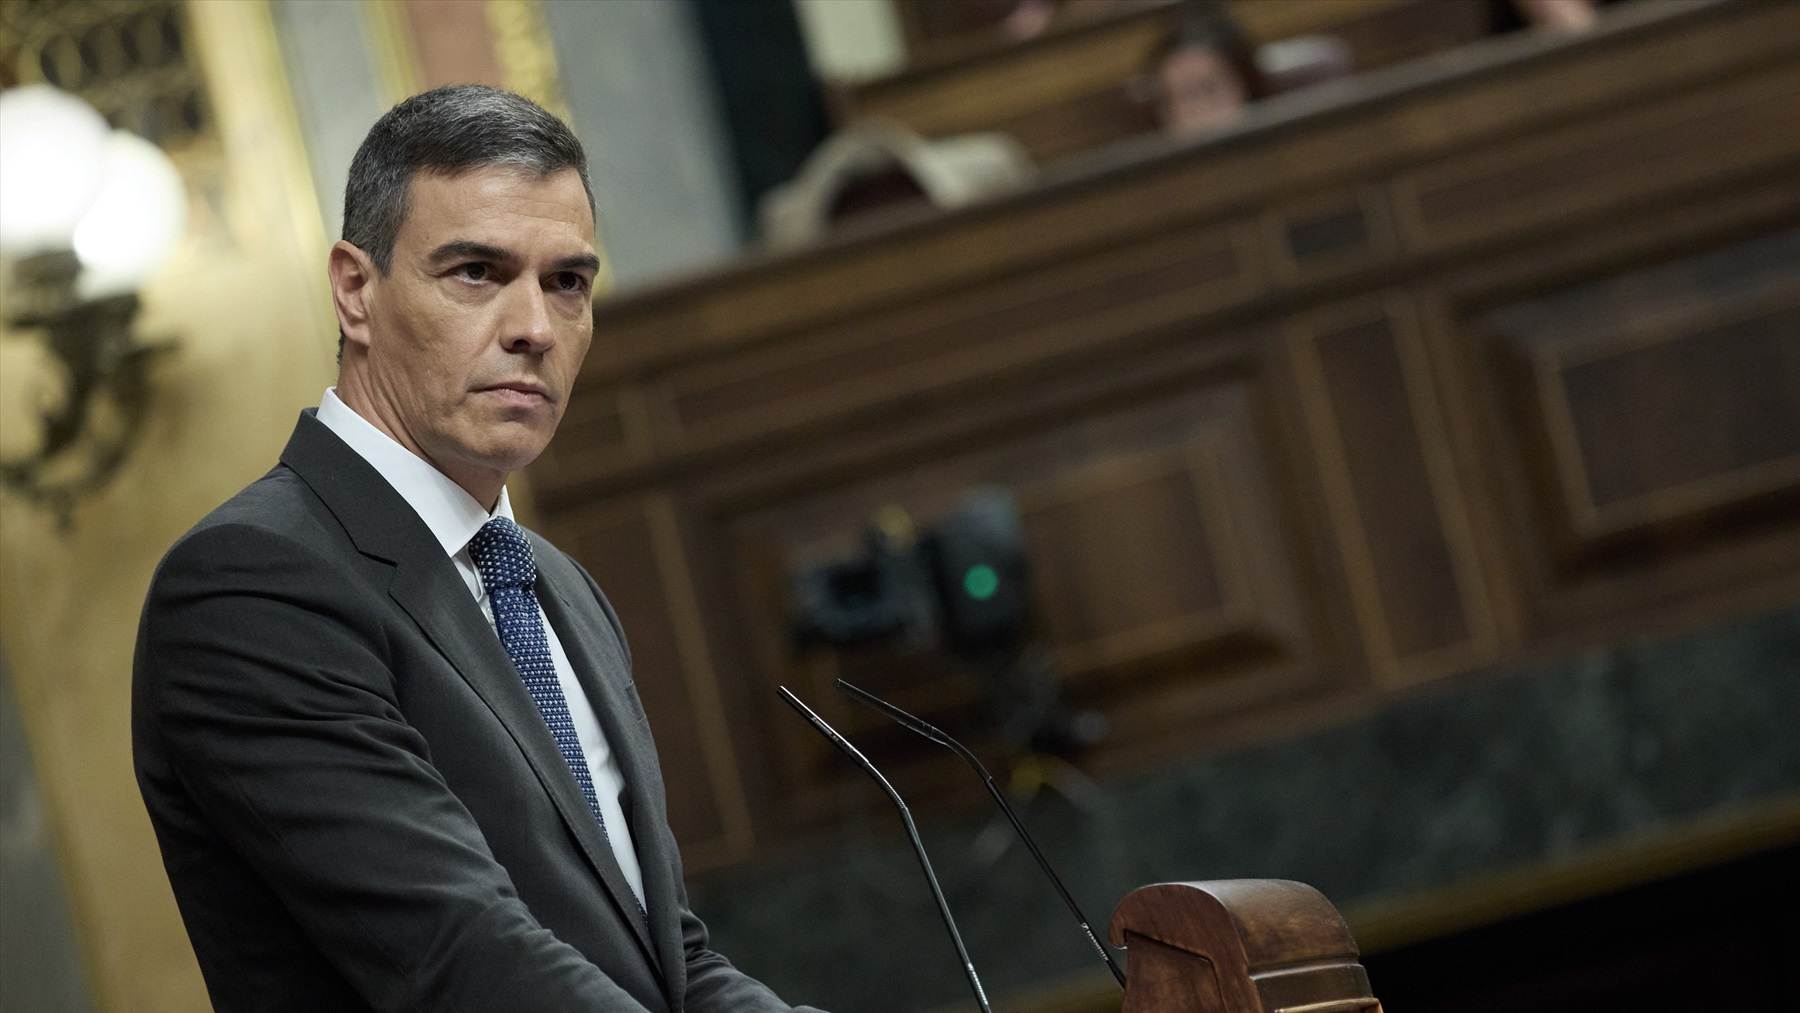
{"x":357,"y":802}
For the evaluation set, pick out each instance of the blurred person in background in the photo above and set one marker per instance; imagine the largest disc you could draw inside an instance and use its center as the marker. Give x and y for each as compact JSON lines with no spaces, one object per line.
{"x":1567,"y":17}
{"x":1201,"y":78}
{"x":1030,"y":18}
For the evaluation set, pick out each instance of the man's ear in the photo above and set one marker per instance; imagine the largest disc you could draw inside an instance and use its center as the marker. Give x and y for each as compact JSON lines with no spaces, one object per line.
{"x":351,"y":272}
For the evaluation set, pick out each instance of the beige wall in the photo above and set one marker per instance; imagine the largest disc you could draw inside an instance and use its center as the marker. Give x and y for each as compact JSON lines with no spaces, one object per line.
{"x":246,"y":299}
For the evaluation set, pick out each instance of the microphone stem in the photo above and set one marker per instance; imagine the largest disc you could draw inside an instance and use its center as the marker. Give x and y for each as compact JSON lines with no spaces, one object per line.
{"x":937,"y":735}
{"x":1043,"y":863}
{"x":912,"y":833}
{"x":937,"y":894}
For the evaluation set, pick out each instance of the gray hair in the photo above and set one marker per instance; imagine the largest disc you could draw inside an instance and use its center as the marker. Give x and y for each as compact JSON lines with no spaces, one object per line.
{"x":448,"y":130}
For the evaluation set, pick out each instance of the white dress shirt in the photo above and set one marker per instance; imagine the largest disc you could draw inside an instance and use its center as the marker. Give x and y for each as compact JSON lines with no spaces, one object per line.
{"x":454,"y":517}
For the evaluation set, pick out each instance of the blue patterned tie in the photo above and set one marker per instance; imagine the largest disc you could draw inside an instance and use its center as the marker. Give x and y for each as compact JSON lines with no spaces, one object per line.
{"x":508,"y":571}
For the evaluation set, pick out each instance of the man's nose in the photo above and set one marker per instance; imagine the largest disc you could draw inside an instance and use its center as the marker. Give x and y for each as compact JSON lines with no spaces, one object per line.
{"x":526,"y":324}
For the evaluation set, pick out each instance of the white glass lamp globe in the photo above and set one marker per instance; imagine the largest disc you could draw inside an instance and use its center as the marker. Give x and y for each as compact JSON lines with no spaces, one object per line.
{"x":51,"y":146}
{"x":135,"y":221}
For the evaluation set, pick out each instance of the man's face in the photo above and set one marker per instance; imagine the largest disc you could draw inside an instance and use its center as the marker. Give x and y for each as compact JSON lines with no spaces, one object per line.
{"x":477,"y":331}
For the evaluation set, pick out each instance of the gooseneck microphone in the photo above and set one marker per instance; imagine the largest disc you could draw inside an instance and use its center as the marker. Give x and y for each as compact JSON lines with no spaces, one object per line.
{"x":937,"y":735}
{"x":912,"y":831}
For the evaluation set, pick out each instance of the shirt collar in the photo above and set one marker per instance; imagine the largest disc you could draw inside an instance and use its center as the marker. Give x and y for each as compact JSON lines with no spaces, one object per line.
{"x":446,"y":508}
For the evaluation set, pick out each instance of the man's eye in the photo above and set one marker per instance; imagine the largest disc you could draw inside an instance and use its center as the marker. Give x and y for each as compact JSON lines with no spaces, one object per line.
{"x":569,"y":281}
{"x":472,"y":271}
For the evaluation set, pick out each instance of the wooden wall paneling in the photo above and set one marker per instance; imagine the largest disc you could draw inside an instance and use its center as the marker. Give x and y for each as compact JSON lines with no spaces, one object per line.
{"x":1088,"y":120}
{"x":700,"y":672}
{"x":1691,"y":488}
{"x":802,"y":785}
{"x":1179,"y":582}
{"x":1402,"y":524}
{"x":771,"y":301}
{"x":810,"y":781}
{"x":960,"y":324}
{"x":1472,"y":312}
{"x":1266,"y":22}
{"x":1490,"y":97}
{"x":1305,"y":506}
{"x":1125,"y":615}
{"x":1329,"y":234}
{"x":605,"y":428}
{"x":1507,"y":88}
{"x":1386,"y":121}
{"x":633,"y":549}
{"x":1071,"y":89}
{"x":940,"y":346}
{"x":1673,"y":423}
{"x":1153,"y":366}
{"x":810,"y":289}
{"x":1586,"y":168}
{"x":930,"y":25}
{"x":709,"y":383}
{"x":1016,"y":86}
{"x":1249,"y":336}
{"x":1462,"y":388}
{"x":1383,"y":34}
{"x":1251,"y":637}
{"x":756,"y":732}
{"x":944,"y":32}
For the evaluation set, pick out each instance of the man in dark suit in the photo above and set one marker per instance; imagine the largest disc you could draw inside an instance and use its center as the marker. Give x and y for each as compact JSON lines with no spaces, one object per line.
{"x":390,"y":741}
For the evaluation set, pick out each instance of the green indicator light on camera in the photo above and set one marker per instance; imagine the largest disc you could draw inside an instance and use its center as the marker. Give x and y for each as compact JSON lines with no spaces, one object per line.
{"x":980,"y":581}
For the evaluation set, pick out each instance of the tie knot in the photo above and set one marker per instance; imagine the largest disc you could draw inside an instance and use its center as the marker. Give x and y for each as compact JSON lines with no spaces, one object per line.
{"x":502,"y":556}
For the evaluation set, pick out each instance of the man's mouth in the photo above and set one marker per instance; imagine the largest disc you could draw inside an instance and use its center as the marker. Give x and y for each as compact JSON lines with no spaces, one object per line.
{"x":520,"y":391}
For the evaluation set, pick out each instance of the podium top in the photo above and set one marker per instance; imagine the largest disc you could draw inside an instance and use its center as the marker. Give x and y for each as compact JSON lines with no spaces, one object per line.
{"x":1239,"y":946}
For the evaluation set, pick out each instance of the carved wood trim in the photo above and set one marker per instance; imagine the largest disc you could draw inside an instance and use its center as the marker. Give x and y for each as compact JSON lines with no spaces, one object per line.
{"x":1591,"y":521}
{"x":1586,"y":166}
{"x":1359,"y":556}
{"x":1237,"y":613}
{"x":699,"y":672}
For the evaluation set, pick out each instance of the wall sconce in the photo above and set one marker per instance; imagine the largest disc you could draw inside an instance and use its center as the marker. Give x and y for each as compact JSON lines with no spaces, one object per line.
{"x":86,"y":214}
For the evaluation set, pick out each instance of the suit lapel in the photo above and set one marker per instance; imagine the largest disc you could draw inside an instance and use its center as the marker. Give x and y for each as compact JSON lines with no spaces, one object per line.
{"x":439,"y":602}
{"x":428,"y":588}
{"x":600,"y":667}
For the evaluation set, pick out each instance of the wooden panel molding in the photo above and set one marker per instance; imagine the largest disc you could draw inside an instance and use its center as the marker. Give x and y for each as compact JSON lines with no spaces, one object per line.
{"x":1636,"y":414}
{"x":604,"y":429}
{"x":917,"y":348}
{"x":1330,"y":234}
{"x":675,"y":675}
{"x":1655,"y":426}
{"x":1586,"y":167}
{"x":1179,"y":582}
{"x":1404,"y":529}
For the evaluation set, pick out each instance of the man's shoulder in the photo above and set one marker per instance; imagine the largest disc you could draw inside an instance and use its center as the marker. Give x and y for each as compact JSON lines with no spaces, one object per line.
{"x":277,"y":509}
{"x":280,"y":498}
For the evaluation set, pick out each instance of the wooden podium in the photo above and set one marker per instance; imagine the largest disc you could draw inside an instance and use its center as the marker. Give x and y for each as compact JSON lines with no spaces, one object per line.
{"x":1238,"y":946}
